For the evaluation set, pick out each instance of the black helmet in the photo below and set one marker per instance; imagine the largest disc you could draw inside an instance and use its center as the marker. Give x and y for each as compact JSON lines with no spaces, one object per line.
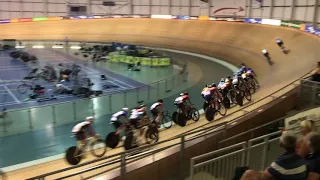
{"x":160,"y":100}
{"x":213,"y":85}
{"x":185,"y":93}
{"x":142,"y":105}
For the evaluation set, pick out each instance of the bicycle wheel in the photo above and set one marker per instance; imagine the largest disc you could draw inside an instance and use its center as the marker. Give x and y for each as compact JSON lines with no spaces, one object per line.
{"x":222,"y":109}
{"x":71,"y":157}
{"x":98,"y":148}
{"x":129,"y":142}
{"x":233,"y":95}
{"x":152,"y":135}
{"x":209,"y":113}
{"x":181,"y":119}
{"x":166,"y":121}
{"x":195,"y":115}
{"x":112,"y":140}
{"x":247,"y":95}
{"x":174,"y":117}
{"x":22,"y":88}
{"x":239,"y":98}
{"x":226,"y":102}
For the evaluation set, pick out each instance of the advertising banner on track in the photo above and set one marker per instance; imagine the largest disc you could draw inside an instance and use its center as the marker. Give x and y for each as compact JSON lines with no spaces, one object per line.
{"x":39,"y":19}
{"x":14,"y":20}
{"x":25,"y":19}
{"x":257,"y":4}
{"x":273,"y":22}
{"x":54,"y":18}
{"x":312,"y":30}
{"x":293,"y":123}
{"x":155,"y":16}
{"x":253,"y":20}
{"x":229,"y":8}
{"x":290,"y":24}
{"x":203,"y":18}
{"x":2,"y":21}
{"x":181,"y":17}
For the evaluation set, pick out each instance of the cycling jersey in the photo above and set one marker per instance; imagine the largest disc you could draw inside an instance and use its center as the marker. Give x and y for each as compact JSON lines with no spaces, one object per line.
{"x":81,"y":127}
{"x":136,"y":114}
{"x":181,"y":99}
{"x":155,"y":105}
{"x":220,"y":84}
{"x":115,"y":117}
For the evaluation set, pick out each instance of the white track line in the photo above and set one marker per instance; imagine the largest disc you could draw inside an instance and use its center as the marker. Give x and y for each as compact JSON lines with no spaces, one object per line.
{"x":12,"y":95}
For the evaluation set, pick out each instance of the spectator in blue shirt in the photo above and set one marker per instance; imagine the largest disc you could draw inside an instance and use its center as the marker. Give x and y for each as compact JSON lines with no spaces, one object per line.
{"x":289,"y":166}
{"x":314,"y":158}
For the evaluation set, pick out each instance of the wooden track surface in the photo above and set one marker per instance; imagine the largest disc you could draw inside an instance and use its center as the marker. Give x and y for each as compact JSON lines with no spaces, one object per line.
{"x":230,"y":41}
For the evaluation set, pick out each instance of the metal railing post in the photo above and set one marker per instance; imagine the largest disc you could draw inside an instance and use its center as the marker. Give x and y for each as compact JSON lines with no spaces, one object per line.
{"x":123,"y":166}
{"x":314,"y":90}
{"x":54,"y":114}
{"x":182,"y":157}
{"x":191,"y":168}
{"x":248,"y":154}
{"x":74,"y":110}
{"x":243,"y":154}
{"x":264,"y":153}
{"x":29,"y":118}
{"x":110,"y":103}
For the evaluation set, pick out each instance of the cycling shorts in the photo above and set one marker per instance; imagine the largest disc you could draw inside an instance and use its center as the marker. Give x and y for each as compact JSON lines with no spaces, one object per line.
{"x":116,"y":124}
{"x":156,"y":111}
{"x":80,"y":135}
{"x":208,"y":98}
{"x":135,"y":123}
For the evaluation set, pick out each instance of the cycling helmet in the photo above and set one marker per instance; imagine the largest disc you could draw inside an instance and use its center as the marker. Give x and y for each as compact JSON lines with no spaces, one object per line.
{"x":222,"y":80}
{"x":213,"y":85}
{"x":186,"y":93}
{"x":125,"y":109}
{"x":142,"y":105}
{"x":160,"y":100}
{"x":89,"y":118}
{"x":181,"y":94}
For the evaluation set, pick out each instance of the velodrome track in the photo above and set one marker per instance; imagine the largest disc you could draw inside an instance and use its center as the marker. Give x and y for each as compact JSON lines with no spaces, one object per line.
{"x":230,"y":41}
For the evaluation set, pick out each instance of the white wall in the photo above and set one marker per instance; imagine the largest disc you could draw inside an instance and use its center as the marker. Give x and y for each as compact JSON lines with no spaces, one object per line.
{"x":302,"y":10}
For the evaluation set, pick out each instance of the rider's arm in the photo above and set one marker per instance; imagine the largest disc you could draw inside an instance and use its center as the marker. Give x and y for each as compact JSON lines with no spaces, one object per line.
{"x":92,"y":132}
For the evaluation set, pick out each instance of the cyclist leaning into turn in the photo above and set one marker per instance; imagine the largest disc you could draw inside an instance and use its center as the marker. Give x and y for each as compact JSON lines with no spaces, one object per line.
{"x":119,"y":119}
{"x":136,"y":117}
{"x":183,"y":101}
{"x":157,"y":109}
{"x":81,"y":130}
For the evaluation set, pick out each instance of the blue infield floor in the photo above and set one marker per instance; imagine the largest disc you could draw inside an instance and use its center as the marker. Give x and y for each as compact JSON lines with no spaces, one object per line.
{"x":12,"y":72}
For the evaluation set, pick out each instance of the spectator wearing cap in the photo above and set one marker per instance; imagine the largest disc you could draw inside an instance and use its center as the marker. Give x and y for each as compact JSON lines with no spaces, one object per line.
{"x":287,"y":166}
{"x":307,"y":126}
{"x":314,"y":158}
{"x":267,"y":55}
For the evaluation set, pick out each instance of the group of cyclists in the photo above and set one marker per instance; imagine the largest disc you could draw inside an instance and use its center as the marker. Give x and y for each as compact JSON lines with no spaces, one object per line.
{"x":137,"y":117}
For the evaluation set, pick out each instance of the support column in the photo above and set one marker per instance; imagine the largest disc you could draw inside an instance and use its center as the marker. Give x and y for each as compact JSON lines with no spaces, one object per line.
{"x":169,"y":7}
{"x":88,"y":7}
{"x":271,"y":9}
{"x":250,"y":9}
{"x":150,"y":7}
{"x":130,"y":7}
{"x":189,"y":8}
{"x":45,"y":7}
{"x":315,"y":14}
{"x":292,"y":9}
{"x":21,"y":8}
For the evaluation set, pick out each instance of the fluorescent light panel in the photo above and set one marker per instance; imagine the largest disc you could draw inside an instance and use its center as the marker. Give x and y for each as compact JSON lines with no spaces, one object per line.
{"x":75,"y":47}
{"x":38,"y":47}
{"x":57,"y":47}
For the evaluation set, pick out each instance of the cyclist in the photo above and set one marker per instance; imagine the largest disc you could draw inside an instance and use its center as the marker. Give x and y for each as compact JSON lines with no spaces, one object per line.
{"x":215,"y":92}
{"x":157,"y":110}
{"x":183,"y":101}
{"x":221,"y":83}
{"x":135,"y":119}
{"x":82,"y":129}
{"x":119,"y":119}
{"x":252,"y":75}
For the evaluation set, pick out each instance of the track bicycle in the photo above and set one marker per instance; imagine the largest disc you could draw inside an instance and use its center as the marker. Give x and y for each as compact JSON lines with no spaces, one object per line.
{"x":95,"y":145}
{"x":25,"y":86}
{"x":131,"y":136}
{"x":184,"y":113}
{"x":166,"y":120}
{"x":213,"y":107}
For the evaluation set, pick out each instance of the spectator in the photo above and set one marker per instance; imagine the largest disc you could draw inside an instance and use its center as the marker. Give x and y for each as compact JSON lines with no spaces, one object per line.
{"x":288,"y":166}
{"x":316,"y":73}
{"x":307,"y":126}
{"x":314,"y":158}
{"x":266,"y":54}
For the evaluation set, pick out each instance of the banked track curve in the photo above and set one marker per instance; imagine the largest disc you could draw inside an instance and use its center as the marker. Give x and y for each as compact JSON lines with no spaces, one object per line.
{"x":230,"y":41}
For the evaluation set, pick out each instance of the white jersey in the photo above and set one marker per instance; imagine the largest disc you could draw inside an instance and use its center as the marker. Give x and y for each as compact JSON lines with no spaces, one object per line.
{"x":135,"y":114}
{"x":235,"y":80}
{"x":116,"y":116}
{"x":278,"y":40}
{"x":179,"y":99}
{"x":264,"y":51}
{"x":155,"y":105}
{"x":78,"y":127}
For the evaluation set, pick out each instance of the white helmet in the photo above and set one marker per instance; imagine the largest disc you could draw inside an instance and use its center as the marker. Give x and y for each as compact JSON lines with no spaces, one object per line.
{"x":125,"y":109}
{"x":89,"y":118}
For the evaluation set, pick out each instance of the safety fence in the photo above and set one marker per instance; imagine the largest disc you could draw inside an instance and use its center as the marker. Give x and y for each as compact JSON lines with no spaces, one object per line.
{"x":257,"y":153}
{"x":119,"y":164}
{"x":32,"y":118}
